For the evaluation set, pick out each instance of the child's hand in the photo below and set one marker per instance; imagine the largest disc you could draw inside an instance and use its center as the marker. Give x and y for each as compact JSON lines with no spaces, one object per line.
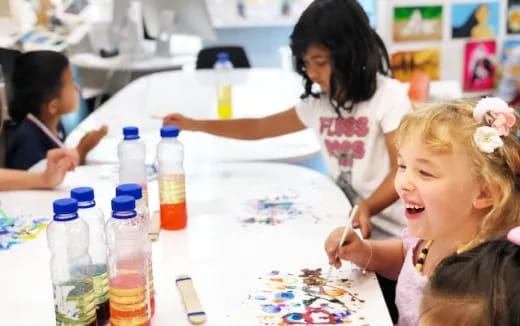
{"x":354,"y":249}
{"x":89,"y":141}
{"x":59,"y":162}
{"x":180,"y":121}
{"x":362,"y":220}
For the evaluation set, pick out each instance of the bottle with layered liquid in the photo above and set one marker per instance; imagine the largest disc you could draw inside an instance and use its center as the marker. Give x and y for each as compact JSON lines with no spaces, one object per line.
{"x":94,"y":217}
{"x":134,"y":190}
{"x":172,"y":189}
{"x":71,"y":266}
{"x":127,"y":265}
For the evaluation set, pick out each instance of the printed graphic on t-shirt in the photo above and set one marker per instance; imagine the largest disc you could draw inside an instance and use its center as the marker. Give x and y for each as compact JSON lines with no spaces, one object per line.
{"x":343,"y":140}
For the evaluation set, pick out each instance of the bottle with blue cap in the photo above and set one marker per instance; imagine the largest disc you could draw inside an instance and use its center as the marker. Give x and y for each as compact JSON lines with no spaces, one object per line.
{"x":223,"y":68}
{"x":132,"y":160}
{"x":71,"y":266}
{"x":172,"y":189}
{"x":134,"y":190}
{"x":94,"y":217}
{"x":127,"y":264}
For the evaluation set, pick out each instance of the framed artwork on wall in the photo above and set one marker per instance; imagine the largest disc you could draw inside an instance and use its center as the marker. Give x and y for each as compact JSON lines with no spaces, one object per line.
{"x":475,"y":20}
{"x":417,"y":23}
{"x":479,"y":66}
{"x":405,"y":63}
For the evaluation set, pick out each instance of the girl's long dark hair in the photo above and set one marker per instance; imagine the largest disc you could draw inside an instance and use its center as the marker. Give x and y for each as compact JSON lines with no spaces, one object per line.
{"x":36,"y":80}
{"x":465,"y":29}
{"x":357,"y":52}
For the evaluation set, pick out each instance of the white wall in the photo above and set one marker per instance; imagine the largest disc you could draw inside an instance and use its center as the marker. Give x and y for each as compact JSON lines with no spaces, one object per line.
{"x":452,"y":50}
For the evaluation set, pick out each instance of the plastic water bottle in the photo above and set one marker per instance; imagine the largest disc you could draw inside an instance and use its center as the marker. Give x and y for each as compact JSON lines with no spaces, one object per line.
{"x":172,"y":189}
{"x":132,"y":155}
{"x":223,"y":68}
{"x":71,"y":266}
{"x":95,"y":219}
{"x":127,"y":265}
{"x":134,"y":190}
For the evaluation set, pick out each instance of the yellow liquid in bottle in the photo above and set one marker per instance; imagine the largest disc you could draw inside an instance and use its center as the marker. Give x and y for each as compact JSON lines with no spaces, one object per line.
{"x":224,"y":107}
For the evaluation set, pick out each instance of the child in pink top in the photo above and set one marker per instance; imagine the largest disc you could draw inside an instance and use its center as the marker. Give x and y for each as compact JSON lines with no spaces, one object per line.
{"x":458,"y":167}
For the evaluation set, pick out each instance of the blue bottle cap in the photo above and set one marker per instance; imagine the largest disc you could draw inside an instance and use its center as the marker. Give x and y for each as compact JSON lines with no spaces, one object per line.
{"x":65,"y":206}
{"x":123,"y":203}
{"x":130,"y":189}
{"x":222,"y":56}
{"x":82,"y":194}
{"x":169,"y":131}
{"x":130,"y":133}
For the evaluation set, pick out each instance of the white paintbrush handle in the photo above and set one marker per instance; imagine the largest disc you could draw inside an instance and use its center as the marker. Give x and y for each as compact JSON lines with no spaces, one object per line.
{"x":191,"y":301}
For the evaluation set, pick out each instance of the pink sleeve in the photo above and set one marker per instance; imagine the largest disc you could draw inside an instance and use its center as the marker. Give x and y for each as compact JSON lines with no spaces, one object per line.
{"x":409,"y":241}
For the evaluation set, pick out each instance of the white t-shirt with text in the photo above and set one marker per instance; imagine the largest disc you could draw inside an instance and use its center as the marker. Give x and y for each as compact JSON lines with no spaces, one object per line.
{"x":354,"y":146}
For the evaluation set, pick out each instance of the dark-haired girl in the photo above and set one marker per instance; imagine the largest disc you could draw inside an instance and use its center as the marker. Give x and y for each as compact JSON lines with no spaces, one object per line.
{"x":354,"y":113}
{"x":43,"y":91}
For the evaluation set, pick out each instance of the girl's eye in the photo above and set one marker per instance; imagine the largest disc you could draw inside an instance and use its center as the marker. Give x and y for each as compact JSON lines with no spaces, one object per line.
{"x":401,"y":166}
{"x":426,"y":174}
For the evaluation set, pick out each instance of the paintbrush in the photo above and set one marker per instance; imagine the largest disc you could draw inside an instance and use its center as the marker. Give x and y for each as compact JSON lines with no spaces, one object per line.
{"x":343,"y":237}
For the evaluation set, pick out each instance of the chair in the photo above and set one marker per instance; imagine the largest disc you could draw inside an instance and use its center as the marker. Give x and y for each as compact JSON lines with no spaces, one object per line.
{"x":7,"y":59}
{"x":207,"y":57}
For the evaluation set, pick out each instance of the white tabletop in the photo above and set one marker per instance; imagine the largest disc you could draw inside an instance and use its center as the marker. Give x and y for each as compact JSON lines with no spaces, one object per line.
{"x":256,"y":93}
{"x":224,"y":256}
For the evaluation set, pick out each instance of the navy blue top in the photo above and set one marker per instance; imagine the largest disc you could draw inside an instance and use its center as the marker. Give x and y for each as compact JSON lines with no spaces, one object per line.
{"x":29,"y":144}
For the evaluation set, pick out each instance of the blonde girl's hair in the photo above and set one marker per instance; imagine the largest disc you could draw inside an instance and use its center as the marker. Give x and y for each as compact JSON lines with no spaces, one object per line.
{"x":500,"y":169}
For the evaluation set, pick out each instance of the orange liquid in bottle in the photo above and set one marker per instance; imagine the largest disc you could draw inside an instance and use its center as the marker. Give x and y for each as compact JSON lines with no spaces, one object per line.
{"x":173,"y":216}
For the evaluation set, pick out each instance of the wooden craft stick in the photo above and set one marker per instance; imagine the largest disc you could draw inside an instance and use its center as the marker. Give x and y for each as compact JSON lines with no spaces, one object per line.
{"x":155,"y":226}
{"x":191,"y":301}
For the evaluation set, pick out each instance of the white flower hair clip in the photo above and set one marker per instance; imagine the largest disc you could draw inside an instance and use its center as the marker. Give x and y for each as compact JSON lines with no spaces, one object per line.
{"x":498,"y":119}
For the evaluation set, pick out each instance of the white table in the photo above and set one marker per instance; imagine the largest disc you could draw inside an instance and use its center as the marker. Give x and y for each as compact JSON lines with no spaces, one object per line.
{"x":223,"y":257}
{"x":256,"y":93}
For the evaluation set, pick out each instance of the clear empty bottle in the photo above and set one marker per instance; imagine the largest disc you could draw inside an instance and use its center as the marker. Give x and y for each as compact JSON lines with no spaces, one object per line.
{"x":134,"y":190}
{"x":95,"y":219}
{"x":132,"y":156}
{"x":127,"y":265}
{"x":71,"y":266}
{"x":172,"y":189}
{"x":223,"y":68}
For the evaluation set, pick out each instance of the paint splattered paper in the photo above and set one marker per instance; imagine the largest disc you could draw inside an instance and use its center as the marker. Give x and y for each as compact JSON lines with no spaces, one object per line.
{"x":274,"y":210}
{"x":19,"y":229}
{"x":302,"y":299}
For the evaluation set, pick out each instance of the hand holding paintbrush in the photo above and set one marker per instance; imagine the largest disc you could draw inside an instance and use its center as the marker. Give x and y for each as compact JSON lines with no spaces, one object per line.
{"x":353,"y":213}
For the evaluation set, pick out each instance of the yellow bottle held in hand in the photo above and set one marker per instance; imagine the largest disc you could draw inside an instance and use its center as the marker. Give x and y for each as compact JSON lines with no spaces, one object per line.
{"x":223,"y":68}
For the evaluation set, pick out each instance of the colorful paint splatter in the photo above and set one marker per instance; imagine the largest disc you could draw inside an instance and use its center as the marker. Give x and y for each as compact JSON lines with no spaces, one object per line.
{"x":306,"y":299}
{"x":275,"y":210}
{"x":15,"y":230}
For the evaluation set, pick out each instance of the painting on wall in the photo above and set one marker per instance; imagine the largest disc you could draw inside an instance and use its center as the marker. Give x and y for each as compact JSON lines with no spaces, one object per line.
{"x":475,"y":20}
{"x":479,"y":66}
{"x":417,"y":23}
{"x":508,"y":47}
{"x":513,"y":17}
{"x":405,"y":63}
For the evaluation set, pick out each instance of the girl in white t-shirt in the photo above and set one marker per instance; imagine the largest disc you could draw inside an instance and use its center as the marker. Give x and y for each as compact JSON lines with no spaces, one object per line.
{"x":354,"y":114}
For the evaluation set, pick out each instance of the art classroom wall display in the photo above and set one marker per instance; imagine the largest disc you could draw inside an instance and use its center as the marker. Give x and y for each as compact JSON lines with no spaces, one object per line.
{"x":417,"y":23}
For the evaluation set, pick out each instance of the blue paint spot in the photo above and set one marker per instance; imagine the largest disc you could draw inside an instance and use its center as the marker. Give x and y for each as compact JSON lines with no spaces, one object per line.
{"x":284,"y":295}
{"x":294,"y":317}
{"x":271,"y":309}
{"x":260,"y":297}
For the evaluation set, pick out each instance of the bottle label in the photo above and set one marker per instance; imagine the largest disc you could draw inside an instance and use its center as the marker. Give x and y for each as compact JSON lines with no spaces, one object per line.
{"x":74,"y":303}
{"x":172,"y":189}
